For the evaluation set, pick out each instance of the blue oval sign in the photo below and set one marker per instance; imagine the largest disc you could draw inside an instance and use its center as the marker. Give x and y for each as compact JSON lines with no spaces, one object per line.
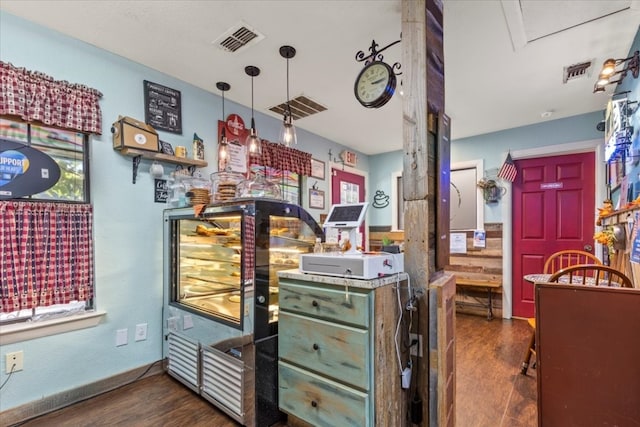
{"x":25,"y":170}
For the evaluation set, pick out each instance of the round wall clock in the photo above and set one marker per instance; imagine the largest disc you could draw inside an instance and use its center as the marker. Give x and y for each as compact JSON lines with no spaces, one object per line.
{"x":375,"y":84}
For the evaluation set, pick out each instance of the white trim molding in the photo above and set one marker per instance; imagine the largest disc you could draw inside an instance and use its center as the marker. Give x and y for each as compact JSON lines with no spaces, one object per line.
{"x":18,"y":332}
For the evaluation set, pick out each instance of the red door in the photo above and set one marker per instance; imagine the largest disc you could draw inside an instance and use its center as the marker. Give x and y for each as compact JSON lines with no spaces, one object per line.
{"x":553,"y":209}
{"x":348,"y":188}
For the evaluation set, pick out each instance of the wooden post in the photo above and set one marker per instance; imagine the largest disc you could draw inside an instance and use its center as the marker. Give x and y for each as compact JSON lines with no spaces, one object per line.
{"x":426,"y":167}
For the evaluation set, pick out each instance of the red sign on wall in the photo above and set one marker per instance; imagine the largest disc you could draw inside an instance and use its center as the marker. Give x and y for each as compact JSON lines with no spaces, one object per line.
{"x":235,"y":157}
{"x":235,"y":125}
{"x":349,"y":158}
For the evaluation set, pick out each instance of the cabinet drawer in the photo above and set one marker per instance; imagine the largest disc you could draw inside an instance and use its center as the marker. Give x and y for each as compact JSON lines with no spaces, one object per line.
{"x":320,"y":401}
{"x":338,"y":351}
{"x":326,"y":303}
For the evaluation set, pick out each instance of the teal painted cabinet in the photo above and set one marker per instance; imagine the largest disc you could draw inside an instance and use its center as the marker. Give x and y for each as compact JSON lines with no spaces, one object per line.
{"x":336,"y":353}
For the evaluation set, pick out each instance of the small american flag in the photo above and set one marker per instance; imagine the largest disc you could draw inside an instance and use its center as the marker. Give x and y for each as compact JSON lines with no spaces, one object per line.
{"x":508,"y":170}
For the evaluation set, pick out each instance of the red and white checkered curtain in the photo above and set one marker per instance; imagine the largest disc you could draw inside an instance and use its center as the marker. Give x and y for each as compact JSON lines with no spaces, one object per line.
{"x":46,"y":254}
{"x":36,"y":97}
{"x":283,"y":158}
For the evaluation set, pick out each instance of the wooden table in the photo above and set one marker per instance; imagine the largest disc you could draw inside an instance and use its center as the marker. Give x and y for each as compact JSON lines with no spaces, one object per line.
{"x":575,"y":280}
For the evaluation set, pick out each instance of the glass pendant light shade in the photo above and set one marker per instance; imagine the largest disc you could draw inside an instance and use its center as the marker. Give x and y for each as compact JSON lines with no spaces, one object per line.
{"x":253,"y":142}
{"x":288,"y":131}
{"x":223,"y":146}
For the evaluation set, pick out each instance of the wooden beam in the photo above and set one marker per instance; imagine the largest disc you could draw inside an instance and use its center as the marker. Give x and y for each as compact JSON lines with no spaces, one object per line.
{"x":425,"y":157}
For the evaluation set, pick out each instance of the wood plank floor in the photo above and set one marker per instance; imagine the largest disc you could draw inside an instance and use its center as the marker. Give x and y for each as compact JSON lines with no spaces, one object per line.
{"x":490,"y":390}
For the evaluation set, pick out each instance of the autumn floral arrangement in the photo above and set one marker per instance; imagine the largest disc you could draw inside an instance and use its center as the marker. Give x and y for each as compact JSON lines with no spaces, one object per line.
{"x":606,"y":237}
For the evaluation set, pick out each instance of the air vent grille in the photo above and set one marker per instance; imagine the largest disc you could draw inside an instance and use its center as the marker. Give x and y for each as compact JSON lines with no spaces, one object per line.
{"x":576,"y":71}
{"x":301,"y":107}
{"x":238,"y":37}
{"x":184,"y":360}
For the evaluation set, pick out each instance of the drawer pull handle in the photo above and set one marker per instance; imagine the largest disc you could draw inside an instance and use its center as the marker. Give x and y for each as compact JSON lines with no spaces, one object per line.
{"x":314,"y":403}
{"x":314,"y":303}
{"x":315,"y":346}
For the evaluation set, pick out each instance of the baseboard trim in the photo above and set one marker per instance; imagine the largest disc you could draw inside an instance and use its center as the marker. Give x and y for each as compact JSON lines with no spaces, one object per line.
{"x":48,"y":404}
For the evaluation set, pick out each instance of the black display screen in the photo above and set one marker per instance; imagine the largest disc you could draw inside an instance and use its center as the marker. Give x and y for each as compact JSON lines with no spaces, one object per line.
{"x":345,"y":213}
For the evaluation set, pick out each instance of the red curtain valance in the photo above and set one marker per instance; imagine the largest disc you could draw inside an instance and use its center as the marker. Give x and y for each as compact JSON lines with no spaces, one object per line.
{"x":281,"y":157}
{"x":35,"y":96}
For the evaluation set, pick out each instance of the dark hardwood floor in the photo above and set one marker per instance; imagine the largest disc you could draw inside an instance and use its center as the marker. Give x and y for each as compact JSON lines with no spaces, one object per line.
{"x":490,"y":390}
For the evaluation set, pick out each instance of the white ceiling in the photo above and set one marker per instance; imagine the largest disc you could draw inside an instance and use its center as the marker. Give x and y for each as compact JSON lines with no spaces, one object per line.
{"x":502,"y":70}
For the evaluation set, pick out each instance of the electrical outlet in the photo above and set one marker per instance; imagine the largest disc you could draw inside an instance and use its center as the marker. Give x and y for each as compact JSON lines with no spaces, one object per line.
{"x":141,"y":331}
{"x":14,"y":362}
{"x":416,"y":349}
{"x":172,"y":324}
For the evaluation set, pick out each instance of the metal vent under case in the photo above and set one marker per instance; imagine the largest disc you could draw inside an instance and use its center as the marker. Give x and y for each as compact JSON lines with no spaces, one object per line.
{"x":184,"y":360}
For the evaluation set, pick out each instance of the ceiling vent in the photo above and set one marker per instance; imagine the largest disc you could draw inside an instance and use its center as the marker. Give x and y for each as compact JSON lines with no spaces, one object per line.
{"x":301,"y":107}
{"x":237,"y":37}
{"x":576,"y":71}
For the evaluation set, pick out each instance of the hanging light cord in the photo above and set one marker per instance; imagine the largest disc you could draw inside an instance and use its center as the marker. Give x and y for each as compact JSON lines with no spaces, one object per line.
{"x":252,"y":102}
{"x":288,"y":106}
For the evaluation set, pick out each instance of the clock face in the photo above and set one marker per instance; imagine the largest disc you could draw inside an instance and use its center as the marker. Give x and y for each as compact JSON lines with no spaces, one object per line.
{"x":375,"y":85}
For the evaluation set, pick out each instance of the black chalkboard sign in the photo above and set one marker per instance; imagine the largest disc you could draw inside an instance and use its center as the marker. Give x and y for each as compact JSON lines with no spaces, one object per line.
{"x":161,"y":191}
{"x":162,"y":107}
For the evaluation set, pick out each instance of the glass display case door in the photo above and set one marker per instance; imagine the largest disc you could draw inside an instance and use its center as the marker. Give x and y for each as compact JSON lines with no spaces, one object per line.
{"x":208,"y":273}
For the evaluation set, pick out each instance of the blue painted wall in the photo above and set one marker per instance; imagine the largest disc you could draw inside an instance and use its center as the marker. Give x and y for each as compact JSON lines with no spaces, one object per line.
{"x":128,"y":224}
{"x":633,"y":164}
{"x":489,"y":147}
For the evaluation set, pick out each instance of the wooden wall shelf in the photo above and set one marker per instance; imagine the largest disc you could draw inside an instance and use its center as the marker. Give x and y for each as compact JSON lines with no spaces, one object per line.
{"x":619,"y":216}
{"x":161,"y":157}
{"x":191,"y":164}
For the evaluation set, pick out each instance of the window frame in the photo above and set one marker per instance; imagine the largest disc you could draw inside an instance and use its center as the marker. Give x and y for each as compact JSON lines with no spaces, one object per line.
{"x":398,"y":207}
{"x":86,"y":192}
{"x":478,"y":165}
{"x":11,"y":325}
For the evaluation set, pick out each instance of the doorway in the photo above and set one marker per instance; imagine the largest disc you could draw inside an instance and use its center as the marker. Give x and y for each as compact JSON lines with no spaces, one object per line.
{"x":347,"y":187}
{"x":553,"y":209}
{"x":588,"y":146}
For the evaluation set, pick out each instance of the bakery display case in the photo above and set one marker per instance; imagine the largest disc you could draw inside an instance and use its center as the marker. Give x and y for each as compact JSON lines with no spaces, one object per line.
{"x":221,"y":299}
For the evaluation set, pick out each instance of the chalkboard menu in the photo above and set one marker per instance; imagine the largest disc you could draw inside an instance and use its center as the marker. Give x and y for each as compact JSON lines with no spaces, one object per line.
{"x":162,"y":107}
{"x":161,"y":191}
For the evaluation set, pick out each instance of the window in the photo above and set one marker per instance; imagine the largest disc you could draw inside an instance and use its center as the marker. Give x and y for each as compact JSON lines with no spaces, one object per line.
{"x":46,"y":238}
{"x":68,"y":149}
{"x":397,"y":198}
{"x":466,"y":208}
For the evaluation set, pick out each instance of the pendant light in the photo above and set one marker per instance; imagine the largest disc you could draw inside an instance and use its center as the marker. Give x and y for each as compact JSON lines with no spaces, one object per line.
{"x":288,"y":131}
{"x":223,"y":144}
{"x":253,"y":142}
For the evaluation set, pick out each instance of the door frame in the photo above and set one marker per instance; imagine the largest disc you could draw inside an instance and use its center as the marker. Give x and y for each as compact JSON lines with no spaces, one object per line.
{"x":365,"y":175}
{"x":594,"y":145}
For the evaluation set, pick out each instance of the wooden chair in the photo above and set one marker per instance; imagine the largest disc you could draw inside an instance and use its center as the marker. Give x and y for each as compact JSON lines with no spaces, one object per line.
{"x":564,"y":259}
{"x":592,"y":274}
{"x":557,"y":261}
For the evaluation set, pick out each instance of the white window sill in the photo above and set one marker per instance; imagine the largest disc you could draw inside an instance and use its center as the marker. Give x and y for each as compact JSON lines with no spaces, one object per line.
{"x":18,"y":332}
